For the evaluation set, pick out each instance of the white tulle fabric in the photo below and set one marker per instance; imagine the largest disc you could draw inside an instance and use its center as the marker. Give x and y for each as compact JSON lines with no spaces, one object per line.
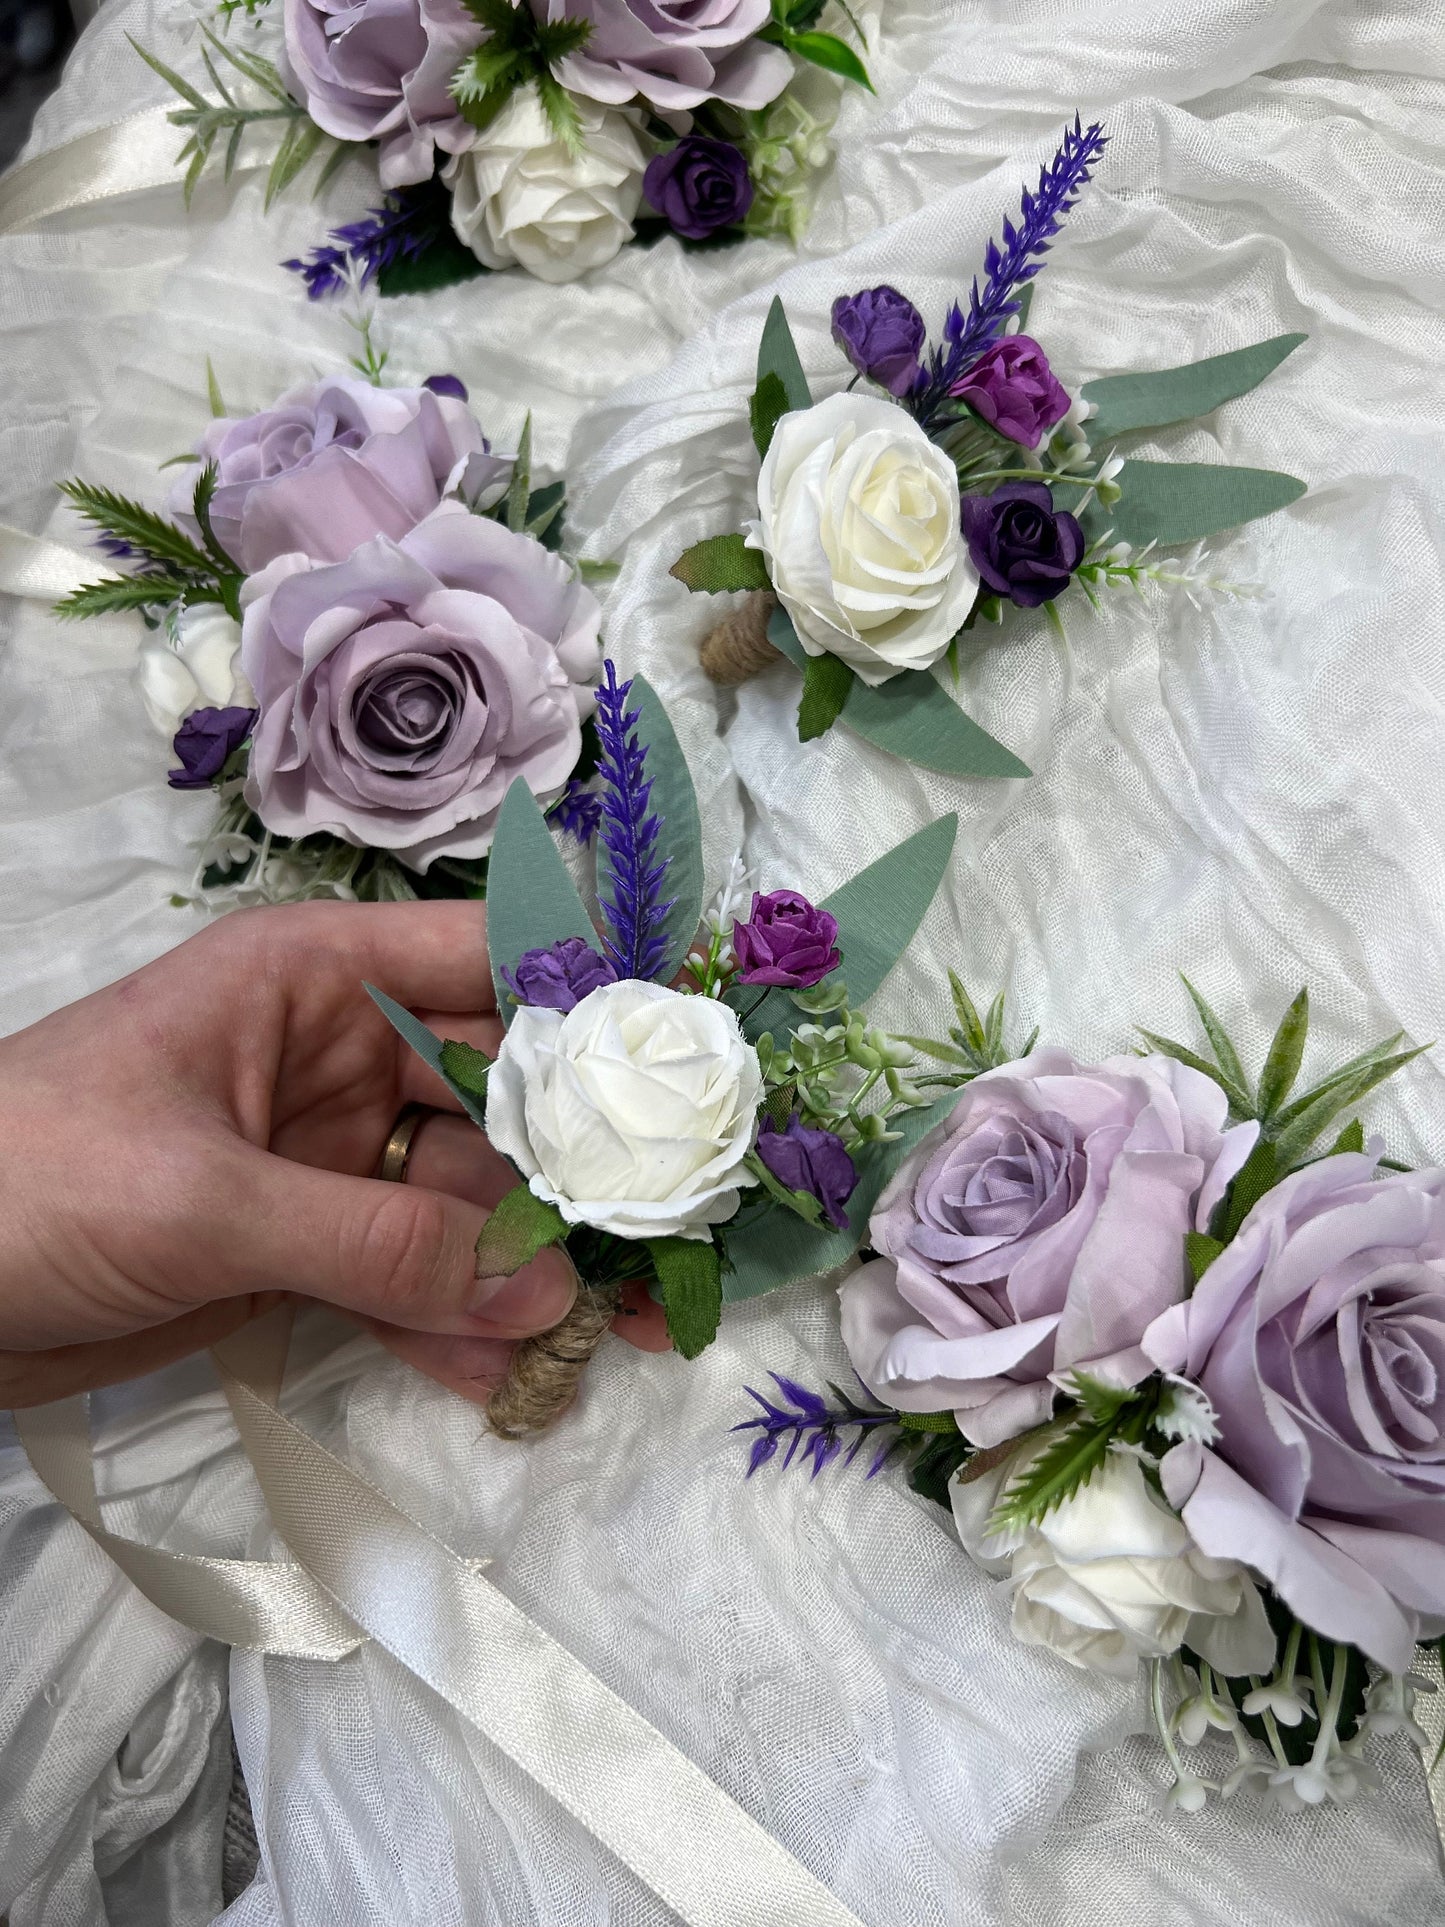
{"x":1250,"y":792}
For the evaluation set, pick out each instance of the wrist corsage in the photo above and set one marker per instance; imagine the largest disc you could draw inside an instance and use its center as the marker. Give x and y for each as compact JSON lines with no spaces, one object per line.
{"x":891,"y":523}
{"x":1170,"y":1344}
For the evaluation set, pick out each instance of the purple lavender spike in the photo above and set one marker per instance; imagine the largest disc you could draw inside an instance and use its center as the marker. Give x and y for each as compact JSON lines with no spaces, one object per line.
{"x":816,"y":1428}
{"x":578,"y":811}
{"x":635,"y":910}
{"x":398,"y":230}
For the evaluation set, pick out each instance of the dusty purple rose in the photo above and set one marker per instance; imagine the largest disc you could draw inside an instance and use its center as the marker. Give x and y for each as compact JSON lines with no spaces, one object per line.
{"x":381,"y":70}
{"x":1013,"y":388}
{"x":1038,"y":1228}
{"x":786,"y":941}
{"x":1319,"y":1335}
{"x":701,"y":185}
{"x":404,"y":690}
{"x":332,"y":464}
{"x":675,"y":54}
{"x":882,"y":334}
{"x":1022,"y":546}
{"x":452,"y":385}
{"x":203,"y":743}
{"x":804,"y":1159}
{"x":559,"y":977}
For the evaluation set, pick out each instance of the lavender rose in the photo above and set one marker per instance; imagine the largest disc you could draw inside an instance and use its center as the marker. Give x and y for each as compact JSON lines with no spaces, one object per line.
{"x":1040,"y":1227}
{"x":559,"y":977}
{"x":1022,"y":546}
{"x":334,"y":463}
{"x":674,"y":54}
{"x":403,"y":690}
{"x":1319,"y":1335}
{"x":786,"y":941}
{"x":381,"y":70}
{"x":809,"y":1160}
{"x":699,"y":186}
{"x":204,"y":743}
{"x":882,"y":334}
{"x":1013,"y":388}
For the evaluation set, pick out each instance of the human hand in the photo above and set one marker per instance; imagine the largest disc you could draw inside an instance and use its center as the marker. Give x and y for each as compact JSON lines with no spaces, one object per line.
{"x":200,"y":1136}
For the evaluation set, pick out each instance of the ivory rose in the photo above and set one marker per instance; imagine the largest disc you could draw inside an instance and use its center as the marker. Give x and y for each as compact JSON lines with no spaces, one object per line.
{"x":192,"y":663}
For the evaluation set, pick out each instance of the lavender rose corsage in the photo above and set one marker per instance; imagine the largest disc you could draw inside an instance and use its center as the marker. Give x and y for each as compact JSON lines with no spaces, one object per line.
{"x":1170,"y":1346}
{"x":540,"y":134}
{"x":971,"y":481}
{"x":360,"y":632}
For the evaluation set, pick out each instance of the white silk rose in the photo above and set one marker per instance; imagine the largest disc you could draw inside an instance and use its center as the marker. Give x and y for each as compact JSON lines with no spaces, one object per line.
{"x":858,"y":516}
{"x":518,"y":195}
{"x":1112,"y":1576}
{"x":192,"y":663}
{"x":631,"y":1112}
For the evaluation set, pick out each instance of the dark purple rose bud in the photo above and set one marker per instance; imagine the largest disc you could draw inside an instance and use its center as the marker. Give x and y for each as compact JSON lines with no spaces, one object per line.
{"x":814,"y":1161}
{"x":204,"y":742}
{"x":1022,"y":546}
{"x":452,"y":385}
{"x":699,"y":186}
{"x":786,"y":941}
{"x":882,"y":334}
{"x":1012,"y":387}
{"x":559,"y":977}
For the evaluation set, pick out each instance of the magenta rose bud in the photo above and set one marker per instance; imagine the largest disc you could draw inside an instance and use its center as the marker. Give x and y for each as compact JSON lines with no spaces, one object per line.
{"x":699,"y":186}
{"x":803,"y":1159}
{"x":1022,"y":546}
{"x":204,"y":744}
{"x":1039,"y":1228}
{"x":674,"y":54}
{"x":559,"y":977}
{"x":1012,"y":387}
{"x":882,"y":334}
{"x":403,"y":691}
{"x":332,"y":464}
{"x":786,"y":941}
{"x":1319,"y":1335}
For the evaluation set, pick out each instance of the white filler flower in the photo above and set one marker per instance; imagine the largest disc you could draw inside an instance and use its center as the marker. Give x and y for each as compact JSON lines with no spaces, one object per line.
{"x":632,"y":1112}
{"x":191,"y":663}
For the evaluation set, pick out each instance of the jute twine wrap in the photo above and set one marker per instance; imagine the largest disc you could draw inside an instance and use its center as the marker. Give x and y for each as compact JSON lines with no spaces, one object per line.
{"x":739,"y":648}
{"x":546,"y":1371}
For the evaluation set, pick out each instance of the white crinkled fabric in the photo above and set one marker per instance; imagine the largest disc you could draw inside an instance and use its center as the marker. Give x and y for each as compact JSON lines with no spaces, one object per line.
{"x":1250,"y":792}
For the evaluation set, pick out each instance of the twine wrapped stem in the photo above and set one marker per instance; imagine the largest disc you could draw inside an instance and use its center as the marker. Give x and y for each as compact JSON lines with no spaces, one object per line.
{"x":546,"y":1371}
{"x":738,"y":648}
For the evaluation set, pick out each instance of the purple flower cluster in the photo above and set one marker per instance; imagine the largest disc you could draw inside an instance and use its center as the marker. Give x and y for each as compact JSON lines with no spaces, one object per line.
{"x":804,"y":1159}
{"x":816,"y":1429}
{"x":786,"y":941}
{"x":635,"y":910}
{"x":400,"y":229}
{"x":559,"y":977}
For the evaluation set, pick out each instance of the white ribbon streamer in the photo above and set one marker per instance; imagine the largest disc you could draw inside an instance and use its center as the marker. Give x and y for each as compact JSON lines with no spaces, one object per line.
{"x":126,"y":157}
{"x":44,"y":571}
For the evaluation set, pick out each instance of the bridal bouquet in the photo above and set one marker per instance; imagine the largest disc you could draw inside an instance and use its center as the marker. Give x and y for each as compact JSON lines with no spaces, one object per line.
{"x":891,"y":523}
{"x":1175,"y":1359}
{"x":542,"y":134}
{"x":692,"y":1101}
{"x":360,"y":633}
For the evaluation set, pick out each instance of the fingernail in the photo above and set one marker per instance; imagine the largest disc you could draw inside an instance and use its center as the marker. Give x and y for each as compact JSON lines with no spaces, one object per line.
{"x":533,"y":1299}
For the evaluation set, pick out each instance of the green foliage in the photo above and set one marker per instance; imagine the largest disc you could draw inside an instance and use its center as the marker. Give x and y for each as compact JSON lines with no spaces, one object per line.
{"x":531,"y":900}
{"x":518,"y":498}
{"x":1157,"y":398}
{"x":1074,"y":1447}
{"x":520,"y":1227}
{"x":1259,"y":1173}
{"x":720,"y":564}
{"x":674,"y":800}
{"x":153,"y":538}
{"x":792,"y":27}
{"x":442,"y":262}
{"x":827,"y":684}
{"x":116,"y":594}
{"x":778,"y":355}
{"x":939,"y":1458}
{"x":520,"y":50}
{"x":1201,"y":1251}
{"x":767,"y":408}
{"x":803,"y":1203}
{"x":213,"y":393}
{"x":689,"y":1275}
{"x":976,"y":1043}
{"x":465,"y":1068}
{"x":1286,"y":1053}
{"x":1175,"y":502}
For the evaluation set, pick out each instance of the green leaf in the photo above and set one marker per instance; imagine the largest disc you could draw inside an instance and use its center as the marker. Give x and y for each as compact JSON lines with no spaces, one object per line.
{"x":517,"y":1230}
{"x":936,"y":1422}
{"x":945,"y":1053}
{"x":1226,"y":1056}
{"x":442,"y":263}
{"x":488,"y":67}
{"x":301,"y":140}
{"x":827,"y":684}
{"x":500,"y":17}
{"x":1240,"y":1101}
{"x":675,"y":801}
{"x":880,"y":909}
{"x":1175,"y":502}
{"x":1261,"y":1171}
{"x":1352,"y":1138}
{"x":766,"y":409}
{"x":134,"y":523}
{"x":827,"y":50}
{"x":1300,"y":1134}
{"x":1102,"y":1403}
{"x":213,"y":391}
{"x":465,"y":1068}
{"x":118,"y":593}
{"x":430,"y":1049}
{"x":689,"y":1274}
{"x":1286,"y":1053}
{"x":1025,"y":299}
{"x":912,"y":716}
{"x":519,"y":489}
{"x":1064,"y":1467}
{"x":561,"y":111}
{"x":1161,"y":396}
{"x":557,"y":39}
{"x":531,"y":901}
{"x":201,"y":497}
{"x":263,"y":72}
{"x":171,"y":77}
{"x":1201,"y":1251}
{"x":720,"y":564}
{"x":1341,"y":1074}
{"x":934,"y":1468}
{"x":966,"y":1011}
{"x":803,"y":1203}
{"x":544,"y":514}
{"x":778,"y":355}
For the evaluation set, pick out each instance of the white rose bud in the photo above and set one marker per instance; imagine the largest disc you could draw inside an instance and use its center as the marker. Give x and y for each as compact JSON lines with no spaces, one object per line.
{"x":192,"y":662}
{"x":519,"y":196}
{"x":1112,"y":1576}
{"x":859,"y":520}
{"x":632,"y":1112}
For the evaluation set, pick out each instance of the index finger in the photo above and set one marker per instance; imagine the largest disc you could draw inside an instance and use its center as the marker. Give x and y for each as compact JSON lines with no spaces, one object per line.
{"x":428,"y":956}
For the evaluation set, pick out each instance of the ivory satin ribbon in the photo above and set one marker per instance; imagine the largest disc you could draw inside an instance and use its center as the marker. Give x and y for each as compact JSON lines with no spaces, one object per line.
{"x":44,"y":571}
{"x":123,"y":158}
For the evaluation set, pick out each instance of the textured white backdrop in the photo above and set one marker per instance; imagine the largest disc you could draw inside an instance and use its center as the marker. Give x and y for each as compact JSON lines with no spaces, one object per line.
{"x":1251,"y":793}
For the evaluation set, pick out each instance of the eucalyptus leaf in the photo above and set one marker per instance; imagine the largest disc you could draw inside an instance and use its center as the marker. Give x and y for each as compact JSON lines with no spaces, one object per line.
{"x":429,"y":1048}
{"x":674,"y":800}
{"x":531,"y":901}
{"x":1157,"y":397}
{"x":1176,"y":502}
{"x":778,"y":355}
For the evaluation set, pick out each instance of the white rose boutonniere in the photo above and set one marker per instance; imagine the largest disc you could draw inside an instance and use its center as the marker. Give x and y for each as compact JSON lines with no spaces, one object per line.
{"x":191,"y":663}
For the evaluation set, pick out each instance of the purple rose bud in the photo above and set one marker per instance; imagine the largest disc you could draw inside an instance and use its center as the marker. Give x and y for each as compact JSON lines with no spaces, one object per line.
{"x":786,"y":941}
{"x":699,"y":186}
{"x":813,"y":1161}
{"x":452,"y":385}
{"x":1012,"y":387}
{"x":1022,"y":546}
{"x":204,"y":742}
{"x":882,"y":334}
{"x":559,"y":977}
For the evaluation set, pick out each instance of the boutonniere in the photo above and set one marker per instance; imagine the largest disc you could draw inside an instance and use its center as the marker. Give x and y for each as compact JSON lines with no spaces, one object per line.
{"x":693,"y":1099}
{"x":1170,"y":1345}
{"x":540,"y":134}
{"x":964,"y":483}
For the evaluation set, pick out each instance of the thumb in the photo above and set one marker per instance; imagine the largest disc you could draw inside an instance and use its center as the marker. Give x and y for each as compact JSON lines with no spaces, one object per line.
{"x":396,"y":1252}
